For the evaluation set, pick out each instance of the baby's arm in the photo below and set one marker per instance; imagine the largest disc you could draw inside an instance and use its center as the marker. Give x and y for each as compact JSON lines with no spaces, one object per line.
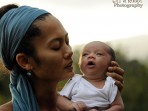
{"x":117,"y":104}
{"x":64,"y":104}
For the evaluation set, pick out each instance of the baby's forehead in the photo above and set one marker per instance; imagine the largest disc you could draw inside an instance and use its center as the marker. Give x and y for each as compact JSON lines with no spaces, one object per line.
{"x":96,"y":45}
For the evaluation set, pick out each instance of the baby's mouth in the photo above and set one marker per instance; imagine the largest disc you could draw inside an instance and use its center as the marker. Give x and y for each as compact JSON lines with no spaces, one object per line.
{"x":91,"y":64}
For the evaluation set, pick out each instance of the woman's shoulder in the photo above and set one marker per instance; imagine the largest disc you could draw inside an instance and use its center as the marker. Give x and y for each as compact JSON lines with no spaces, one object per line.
{"x":6,"y":107}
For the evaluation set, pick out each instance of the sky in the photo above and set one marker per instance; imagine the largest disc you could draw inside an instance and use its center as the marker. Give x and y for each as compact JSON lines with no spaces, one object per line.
{"x":88,"y":20}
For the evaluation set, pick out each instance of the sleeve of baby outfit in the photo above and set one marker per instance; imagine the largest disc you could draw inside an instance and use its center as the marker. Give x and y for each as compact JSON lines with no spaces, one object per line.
{"x":67,"y":89}
{"x":112,"y":90}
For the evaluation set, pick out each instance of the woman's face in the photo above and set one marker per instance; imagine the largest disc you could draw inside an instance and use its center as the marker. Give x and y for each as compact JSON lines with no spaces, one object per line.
{"x":53,"y":51}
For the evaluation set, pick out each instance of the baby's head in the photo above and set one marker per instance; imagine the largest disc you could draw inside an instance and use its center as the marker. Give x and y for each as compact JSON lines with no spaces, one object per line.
{"x":95,"y":58}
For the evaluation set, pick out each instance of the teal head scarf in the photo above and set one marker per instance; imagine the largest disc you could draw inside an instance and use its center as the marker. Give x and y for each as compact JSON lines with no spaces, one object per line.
{"x":13,"y":26}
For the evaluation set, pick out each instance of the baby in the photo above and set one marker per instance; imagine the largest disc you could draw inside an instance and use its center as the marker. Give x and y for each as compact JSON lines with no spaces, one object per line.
{"x":94,"y":90}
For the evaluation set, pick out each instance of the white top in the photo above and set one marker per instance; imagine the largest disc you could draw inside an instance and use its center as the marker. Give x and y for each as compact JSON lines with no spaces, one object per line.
{"x":79,"y":89}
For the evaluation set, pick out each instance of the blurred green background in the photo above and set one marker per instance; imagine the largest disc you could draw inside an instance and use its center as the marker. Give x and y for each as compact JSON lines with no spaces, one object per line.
{"x":135,"y":92}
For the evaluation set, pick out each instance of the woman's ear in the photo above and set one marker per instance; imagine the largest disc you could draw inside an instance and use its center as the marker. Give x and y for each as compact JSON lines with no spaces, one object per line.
{"x":23,"y":61}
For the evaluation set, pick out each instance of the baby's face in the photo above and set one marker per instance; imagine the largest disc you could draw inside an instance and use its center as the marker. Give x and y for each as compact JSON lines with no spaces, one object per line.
{"x":95,"y":59}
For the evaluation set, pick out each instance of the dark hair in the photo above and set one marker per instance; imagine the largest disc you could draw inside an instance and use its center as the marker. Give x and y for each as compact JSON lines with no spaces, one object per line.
{"x":26,"y":45}
{"x":112,"y":53}
{"x":6,"y":8}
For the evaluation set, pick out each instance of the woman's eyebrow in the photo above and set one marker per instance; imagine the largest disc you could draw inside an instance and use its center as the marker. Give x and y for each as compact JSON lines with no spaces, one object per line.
{"x":59,"y":38}
{"x":65,"y":37}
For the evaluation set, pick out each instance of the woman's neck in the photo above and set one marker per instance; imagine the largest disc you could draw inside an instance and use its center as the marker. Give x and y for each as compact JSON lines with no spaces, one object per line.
{"x":46,"y":95}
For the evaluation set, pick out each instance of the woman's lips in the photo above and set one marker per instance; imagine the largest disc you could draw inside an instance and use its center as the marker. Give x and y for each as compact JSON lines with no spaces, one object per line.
{"x":69,"y":66}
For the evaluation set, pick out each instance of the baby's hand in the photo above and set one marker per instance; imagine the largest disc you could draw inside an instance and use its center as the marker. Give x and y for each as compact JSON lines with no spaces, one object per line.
{"x":78,"y":106}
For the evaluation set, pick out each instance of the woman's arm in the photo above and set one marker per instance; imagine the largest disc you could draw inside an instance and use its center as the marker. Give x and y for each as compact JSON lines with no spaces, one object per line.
{"x":6,"y":106}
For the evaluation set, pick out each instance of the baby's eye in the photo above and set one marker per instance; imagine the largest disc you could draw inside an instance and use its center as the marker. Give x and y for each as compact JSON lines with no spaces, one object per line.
{"x":84,"y":54}
{"x":99,"y":53}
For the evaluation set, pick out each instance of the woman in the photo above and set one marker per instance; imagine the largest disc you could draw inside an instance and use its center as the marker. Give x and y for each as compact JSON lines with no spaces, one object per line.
{"x":35,"y":48}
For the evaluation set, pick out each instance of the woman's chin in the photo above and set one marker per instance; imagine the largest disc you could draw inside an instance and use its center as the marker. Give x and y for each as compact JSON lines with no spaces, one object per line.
{"x":69,"y":76}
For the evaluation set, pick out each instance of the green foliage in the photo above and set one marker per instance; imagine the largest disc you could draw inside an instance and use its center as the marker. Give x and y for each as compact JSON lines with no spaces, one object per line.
{"x":4,"y":84}
{"x":76,"y":56}
{"x":135,"y":92}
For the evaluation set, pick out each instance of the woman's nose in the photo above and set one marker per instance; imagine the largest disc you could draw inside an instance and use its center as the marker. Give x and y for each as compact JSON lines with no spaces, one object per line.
{"x":68,"y":53}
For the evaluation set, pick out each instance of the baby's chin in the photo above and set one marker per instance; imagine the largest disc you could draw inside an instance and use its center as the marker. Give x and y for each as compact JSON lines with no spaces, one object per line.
{"x":95,"y":75}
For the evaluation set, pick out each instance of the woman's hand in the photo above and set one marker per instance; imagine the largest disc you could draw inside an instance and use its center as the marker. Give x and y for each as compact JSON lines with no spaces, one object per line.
{"x":116,"y":72}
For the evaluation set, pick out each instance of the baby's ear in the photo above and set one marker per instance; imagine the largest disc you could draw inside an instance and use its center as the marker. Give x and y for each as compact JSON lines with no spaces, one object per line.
{"x":23,"y":61}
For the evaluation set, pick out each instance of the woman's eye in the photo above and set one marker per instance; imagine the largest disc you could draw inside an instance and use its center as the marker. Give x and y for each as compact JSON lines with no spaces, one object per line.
{"x":56,"y":48}
{"x":56,"y":45}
